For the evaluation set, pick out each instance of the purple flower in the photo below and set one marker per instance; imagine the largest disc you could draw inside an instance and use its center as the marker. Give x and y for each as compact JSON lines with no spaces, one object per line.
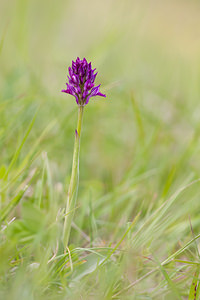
{"x":81,"y":82}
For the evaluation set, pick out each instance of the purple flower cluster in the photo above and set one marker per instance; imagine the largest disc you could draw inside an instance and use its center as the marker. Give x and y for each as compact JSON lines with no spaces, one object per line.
{"x":81,"y":82}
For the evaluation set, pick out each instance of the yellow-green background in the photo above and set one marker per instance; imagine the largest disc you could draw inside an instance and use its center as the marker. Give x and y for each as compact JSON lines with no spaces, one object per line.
{"x":139,"y":145}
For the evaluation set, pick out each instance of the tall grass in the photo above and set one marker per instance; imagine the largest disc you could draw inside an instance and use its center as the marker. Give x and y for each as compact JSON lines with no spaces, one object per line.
{"x":136,"y":229}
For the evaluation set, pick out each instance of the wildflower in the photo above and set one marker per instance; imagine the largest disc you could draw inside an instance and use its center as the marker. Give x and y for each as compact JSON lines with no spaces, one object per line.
{"x":81,"y":86}
{"x":81,"y":82}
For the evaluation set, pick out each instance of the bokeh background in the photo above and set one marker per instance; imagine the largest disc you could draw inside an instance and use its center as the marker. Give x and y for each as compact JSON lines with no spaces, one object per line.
{"x":139,"y":145}
{"x":145,"y":49}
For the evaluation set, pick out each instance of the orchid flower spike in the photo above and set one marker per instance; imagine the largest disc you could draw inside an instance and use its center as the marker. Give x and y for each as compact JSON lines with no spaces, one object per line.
{"x":81,"y":82}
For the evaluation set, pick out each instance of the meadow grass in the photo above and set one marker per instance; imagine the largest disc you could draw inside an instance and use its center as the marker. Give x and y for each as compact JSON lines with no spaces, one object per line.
{"x":136,"y":229}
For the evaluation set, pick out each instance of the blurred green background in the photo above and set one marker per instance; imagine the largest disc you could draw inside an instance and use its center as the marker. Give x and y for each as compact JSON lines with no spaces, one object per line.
{"x":148,"y":48}
{"x":139,"y":145}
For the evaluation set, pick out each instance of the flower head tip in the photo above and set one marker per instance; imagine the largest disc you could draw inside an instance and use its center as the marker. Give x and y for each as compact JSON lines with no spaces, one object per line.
{"x":81,"y":82}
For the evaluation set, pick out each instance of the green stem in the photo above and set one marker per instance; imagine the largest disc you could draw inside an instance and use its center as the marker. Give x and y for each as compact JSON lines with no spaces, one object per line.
{"x":74,"y":181}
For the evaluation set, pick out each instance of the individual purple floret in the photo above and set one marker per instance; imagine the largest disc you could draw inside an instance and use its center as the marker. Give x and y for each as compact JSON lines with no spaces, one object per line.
{"x":81,"y":82}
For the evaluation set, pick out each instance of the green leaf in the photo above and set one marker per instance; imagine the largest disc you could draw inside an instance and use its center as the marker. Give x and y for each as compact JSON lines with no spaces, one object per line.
{"x":12,"y":204}
{"x":92,"y":261}
{"x":195,"y":287}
